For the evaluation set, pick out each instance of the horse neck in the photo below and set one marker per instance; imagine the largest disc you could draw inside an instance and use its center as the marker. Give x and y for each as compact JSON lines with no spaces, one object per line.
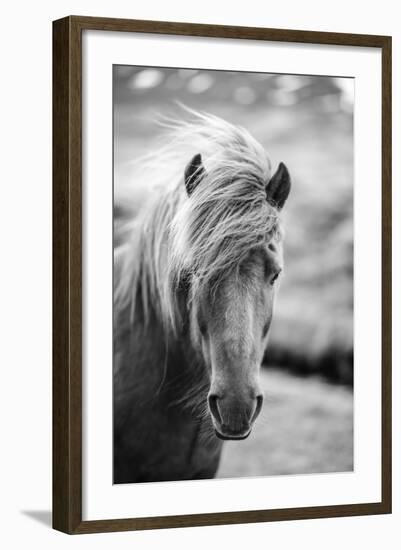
{"x":172,"y":353}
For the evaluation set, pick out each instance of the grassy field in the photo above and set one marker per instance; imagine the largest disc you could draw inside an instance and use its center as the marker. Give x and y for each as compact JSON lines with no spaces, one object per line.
{"x":306,"y":426}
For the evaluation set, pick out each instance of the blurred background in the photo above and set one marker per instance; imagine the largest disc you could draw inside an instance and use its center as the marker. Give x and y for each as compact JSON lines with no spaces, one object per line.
{"x":307,"y":122}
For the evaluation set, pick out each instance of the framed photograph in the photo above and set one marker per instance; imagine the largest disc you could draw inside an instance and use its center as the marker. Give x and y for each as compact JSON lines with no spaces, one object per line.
{"x":222,"y":274}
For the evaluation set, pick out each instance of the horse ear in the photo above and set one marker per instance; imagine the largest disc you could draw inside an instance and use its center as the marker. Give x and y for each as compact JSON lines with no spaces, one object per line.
{"x":278,"y":188}
{"x":194,"y":172}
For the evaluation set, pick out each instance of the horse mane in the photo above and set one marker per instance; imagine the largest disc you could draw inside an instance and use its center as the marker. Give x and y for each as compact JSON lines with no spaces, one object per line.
{"x":204,"y":235}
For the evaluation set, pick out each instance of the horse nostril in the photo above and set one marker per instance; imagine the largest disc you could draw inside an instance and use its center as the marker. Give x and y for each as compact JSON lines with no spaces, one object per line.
{"x":214,"y":408}
{"x":258,"y":408}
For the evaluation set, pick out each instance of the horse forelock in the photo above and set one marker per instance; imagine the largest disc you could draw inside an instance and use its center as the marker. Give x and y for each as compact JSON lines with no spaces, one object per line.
{"x":206,"y":234}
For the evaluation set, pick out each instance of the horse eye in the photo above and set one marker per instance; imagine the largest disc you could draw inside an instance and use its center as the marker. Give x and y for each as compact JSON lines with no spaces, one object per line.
{"x":274,"y":278}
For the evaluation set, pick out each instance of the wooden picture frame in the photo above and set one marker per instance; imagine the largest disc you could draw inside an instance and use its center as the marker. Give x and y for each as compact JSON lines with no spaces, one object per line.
{"x":67,"y":273}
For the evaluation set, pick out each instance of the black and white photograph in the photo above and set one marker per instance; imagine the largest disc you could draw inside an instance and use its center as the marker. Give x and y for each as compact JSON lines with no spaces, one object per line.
{"x":233,"y":274}
{"x":199,"y":276}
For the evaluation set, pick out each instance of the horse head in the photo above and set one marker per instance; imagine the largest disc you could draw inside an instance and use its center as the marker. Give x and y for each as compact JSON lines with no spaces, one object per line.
{"x":231,"y":305}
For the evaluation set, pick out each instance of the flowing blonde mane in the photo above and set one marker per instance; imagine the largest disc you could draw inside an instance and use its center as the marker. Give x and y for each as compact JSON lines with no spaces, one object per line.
{"x":204,"y":235}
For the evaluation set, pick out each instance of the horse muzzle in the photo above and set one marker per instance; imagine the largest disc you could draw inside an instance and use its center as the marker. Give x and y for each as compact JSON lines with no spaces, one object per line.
{"x":232,"y":437}
{"x":233,"y":418}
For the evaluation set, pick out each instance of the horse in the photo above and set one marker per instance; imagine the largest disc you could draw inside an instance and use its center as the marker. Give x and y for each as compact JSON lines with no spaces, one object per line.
{"x":194,"y":291}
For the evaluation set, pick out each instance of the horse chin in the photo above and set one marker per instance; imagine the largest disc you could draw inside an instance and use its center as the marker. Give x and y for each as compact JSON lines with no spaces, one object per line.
{"x":231,"y":437}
